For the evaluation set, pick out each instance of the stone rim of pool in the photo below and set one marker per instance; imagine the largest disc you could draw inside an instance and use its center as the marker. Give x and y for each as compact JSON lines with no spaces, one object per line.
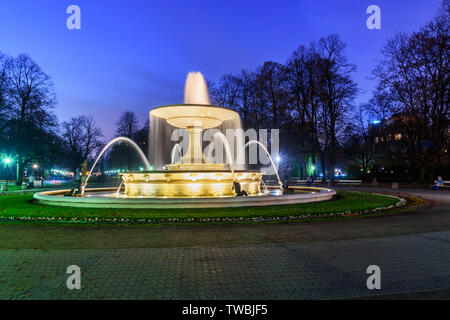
{"x":57,"y":198}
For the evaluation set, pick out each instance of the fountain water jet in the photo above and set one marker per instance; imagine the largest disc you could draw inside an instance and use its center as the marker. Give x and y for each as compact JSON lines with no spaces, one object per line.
{"x":265,"y":187}
{"x":268,"y":154}
{"x":195,"y":89}
{"x":229,"y":156}
{"x":112,"y":142}
{"x":118,"y":189}
{"x":193,"y":176}
{"x":172,"y":153}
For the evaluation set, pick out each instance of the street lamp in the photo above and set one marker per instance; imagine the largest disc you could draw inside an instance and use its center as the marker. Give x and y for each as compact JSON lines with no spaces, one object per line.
{"x":35,"y":167}
{"x":7,"y":162}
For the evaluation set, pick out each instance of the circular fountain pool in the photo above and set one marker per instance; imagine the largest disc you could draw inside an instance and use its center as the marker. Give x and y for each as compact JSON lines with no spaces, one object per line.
{"x":197,"y":179}
{"x":108,"y":198}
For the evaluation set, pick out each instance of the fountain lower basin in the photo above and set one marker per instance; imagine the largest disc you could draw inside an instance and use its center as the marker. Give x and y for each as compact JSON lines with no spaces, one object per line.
{"x":108,"y":198}
{"x":188,"y":183}
{"x":195,"y":180}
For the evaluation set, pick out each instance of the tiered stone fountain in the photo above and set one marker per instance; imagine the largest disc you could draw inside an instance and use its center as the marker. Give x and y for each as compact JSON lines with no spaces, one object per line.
{"x":193,"y":181}
{"x":192,"y":176}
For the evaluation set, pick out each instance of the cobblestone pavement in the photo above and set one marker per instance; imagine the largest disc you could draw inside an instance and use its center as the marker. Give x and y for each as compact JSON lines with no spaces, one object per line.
{"x":276,"y":269}
{"x":334,"y":269}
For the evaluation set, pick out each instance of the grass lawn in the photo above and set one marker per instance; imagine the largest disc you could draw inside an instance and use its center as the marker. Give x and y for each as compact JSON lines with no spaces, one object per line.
{"x":23,"y":205}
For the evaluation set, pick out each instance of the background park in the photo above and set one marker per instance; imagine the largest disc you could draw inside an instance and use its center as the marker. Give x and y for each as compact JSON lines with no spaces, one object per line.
{"x":399,"y":134}
{"x":361,"y":113}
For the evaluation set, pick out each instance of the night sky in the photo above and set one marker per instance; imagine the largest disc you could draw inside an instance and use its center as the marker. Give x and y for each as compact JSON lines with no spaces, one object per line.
{"x":135,"y":54}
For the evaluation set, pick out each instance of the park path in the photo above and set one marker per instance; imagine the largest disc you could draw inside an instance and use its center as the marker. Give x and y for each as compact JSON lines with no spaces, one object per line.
{"x":442,"y":197}
{"x":333,"y":269}
{"x":418,"y":262}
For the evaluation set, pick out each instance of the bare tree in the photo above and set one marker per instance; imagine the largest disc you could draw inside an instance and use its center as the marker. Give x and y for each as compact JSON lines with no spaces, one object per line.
{"x":120,"y":155}
{"x":81,"y":138}
{"x":127,"y":125}
{"x":415,"y":73}
{"x":359,"y":144}
{"x":272,"y":82}
{"x":336,"y":92}
{"x":301,"y":75}
{"x":142,"y":136}
{"x":3,"y":91}
{"x":30,"y":102}
{"x":245,"y":95}
{"x":236,"y":92}
{"x":226,"y":92}
{"x":381,"y":106}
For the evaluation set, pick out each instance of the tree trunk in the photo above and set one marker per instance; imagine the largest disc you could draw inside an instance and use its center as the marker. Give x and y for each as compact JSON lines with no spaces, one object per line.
{"x":324,"y":172}
{"x":19,"y":170}
{"x":332,"y":170}
{"x":422,"y":173}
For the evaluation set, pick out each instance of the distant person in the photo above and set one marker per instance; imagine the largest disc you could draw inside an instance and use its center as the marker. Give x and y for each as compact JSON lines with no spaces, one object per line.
{"x":310,"y":180}
{"x":438,"y":183}
{"x":374,"y":182}
{"x":237,"y":189}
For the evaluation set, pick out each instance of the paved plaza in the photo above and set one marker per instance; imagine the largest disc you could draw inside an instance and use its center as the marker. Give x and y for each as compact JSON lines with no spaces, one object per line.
{"x":412,"y":261}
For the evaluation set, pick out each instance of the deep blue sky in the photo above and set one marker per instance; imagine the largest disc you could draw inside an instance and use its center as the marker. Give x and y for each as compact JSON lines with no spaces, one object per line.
{"x":135,"y":54}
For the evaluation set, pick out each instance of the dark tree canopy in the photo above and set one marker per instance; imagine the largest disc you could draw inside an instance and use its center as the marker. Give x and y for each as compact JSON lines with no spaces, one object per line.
{"x":122,"y":155}
{"x":127,"y":125}
{"x":82,"y":139}
{"x":414,"y":88}
{"x":307,"y":99}
{"x":27,"y":99}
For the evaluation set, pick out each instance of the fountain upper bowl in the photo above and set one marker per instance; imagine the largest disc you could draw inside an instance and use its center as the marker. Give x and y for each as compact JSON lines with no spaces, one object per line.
{"x":194,"y":115}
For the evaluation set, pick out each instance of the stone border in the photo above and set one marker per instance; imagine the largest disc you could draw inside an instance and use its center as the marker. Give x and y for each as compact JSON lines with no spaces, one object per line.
{"x":58,"y":220}
{"x":54,"y":198}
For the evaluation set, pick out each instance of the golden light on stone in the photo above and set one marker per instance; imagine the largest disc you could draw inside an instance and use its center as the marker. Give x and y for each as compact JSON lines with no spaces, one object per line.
{"x":192,"y":176}
{"x":188,"y":184}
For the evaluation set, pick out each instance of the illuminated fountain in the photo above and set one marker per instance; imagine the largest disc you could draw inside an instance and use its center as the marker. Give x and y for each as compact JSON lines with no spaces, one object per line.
{"x":186,"y":177}
{"x":193,"y":175}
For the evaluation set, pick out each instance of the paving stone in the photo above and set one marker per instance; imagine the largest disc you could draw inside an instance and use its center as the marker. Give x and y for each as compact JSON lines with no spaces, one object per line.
{"x":316,"y":270}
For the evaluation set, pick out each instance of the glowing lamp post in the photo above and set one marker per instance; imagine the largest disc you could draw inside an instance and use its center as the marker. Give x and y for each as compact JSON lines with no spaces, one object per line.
{"x":7,"y":162}
{"x":36,"y":175}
